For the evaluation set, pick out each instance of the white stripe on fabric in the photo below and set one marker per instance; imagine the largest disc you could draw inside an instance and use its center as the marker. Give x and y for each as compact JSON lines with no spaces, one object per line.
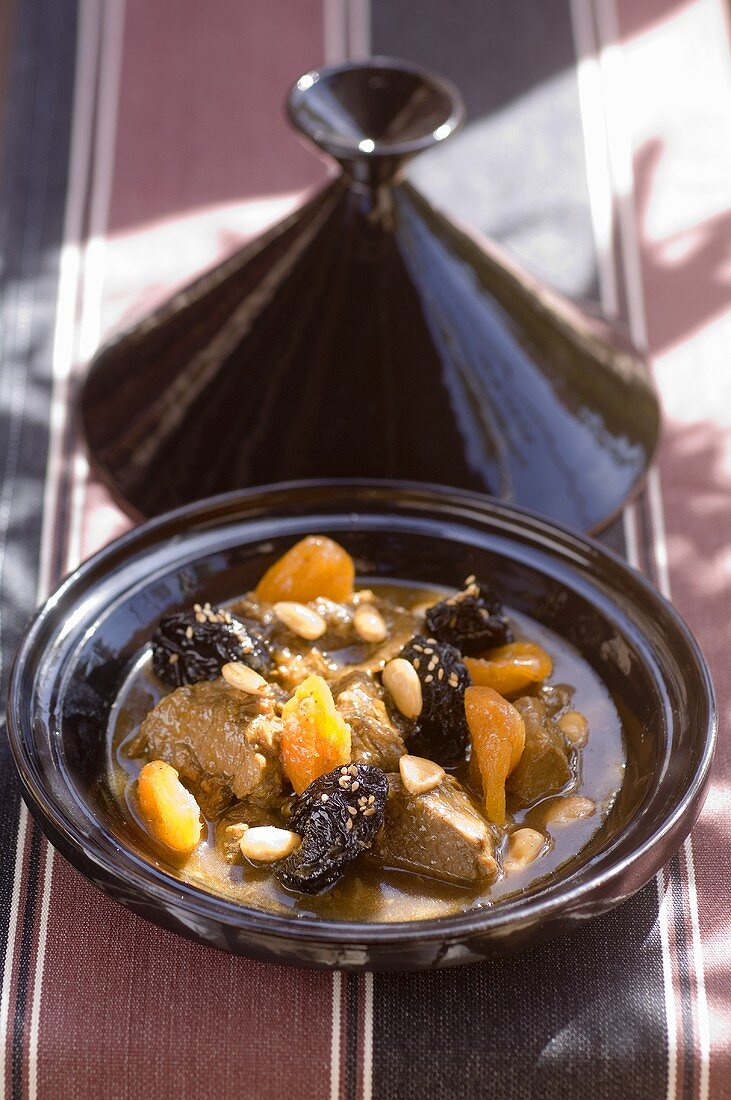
{"x":596,"y":152}
{"x":621,"y":158}
{"x":335,"y":30}
{"x":610,"y":179}
{"x":64,"y":351}
{"x":106,"y":39}
{"x":359,"y":28}
{"x":95,"y":252}
{"x":65,"y":336}
{"x":335,"y":1036}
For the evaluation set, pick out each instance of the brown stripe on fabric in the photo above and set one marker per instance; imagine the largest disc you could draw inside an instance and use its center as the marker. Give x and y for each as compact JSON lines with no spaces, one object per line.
{"x":127,"y":1006}
{"x":352,"y":1045}
{"x":130,"y":1009}
{"x":7,"y":27}
{"x":201,"y":115}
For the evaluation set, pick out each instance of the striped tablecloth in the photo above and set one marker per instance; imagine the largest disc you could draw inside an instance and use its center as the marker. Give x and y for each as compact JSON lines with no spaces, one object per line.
{"x":140,"y":140}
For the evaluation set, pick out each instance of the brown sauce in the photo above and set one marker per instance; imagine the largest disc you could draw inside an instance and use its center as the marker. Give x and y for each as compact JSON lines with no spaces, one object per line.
{"x":368,"y":892}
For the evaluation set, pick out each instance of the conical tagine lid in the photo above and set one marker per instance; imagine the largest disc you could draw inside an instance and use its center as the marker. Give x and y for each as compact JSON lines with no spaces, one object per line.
{"x":367,"y":335}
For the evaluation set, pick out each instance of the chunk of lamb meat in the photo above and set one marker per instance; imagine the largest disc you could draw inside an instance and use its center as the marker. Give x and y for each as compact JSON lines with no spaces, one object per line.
{"x":439,"y":834}
{"x":223,"y":743}
{"x":545,"y":766}
{"x":374,"y":737}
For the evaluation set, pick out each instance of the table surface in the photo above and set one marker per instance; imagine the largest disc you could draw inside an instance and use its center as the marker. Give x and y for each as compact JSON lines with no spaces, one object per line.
{"x":138,"y":143}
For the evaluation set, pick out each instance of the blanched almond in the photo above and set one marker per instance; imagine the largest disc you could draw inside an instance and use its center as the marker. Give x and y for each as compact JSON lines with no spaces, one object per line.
{"x":266,"y":843}
{"x":369,"y":624}
{"x":524,"y":846}
{"x":402,"y":681}
{"x":243,"y":678}
{"x":420,"y":775}
{"x":573,"y":808}
{"x":574,"y":725}
{"x":301,"y":620}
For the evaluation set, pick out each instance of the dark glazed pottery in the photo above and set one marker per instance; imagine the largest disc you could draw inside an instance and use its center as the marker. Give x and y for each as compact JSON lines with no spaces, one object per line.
{"x":367,"y":335}
{"x":83,"y":642}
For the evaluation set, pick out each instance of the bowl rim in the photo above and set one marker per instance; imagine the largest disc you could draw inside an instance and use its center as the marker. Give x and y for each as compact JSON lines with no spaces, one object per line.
{"x":154,"y":882}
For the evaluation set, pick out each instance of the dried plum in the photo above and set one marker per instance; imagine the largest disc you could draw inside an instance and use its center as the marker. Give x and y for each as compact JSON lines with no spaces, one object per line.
{"x":472,"y":619}
{"x":440,"y":732}
{"x":337,"y":816}
{"x":189,"y":646}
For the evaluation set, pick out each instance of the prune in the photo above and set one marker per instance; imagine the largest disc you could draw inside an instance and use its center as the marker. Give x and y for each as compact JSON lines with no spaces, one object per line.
{"x":189,"y":646}
{"x":440,"y":732}
{"x":472,"y":619}
{"x":337,"y":817}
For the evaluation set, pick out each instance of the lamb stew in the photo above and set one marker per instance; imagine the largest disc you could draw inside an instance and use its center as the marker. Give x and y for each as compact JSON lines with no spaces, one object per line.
{"x":375,"y":751}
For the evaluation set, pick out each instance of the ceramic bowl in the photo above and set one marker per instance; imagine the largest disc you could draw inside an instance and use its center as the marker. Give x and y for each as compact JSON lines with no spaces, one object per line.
{"x":83,"y":641}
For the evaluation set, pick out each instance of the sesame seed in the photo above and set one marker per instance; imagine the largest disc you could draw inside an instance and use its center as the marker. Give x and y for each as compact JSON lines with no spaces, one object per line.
{"x":200,"y":617}
{"x":353,"y":771}
{"x":355,"y":786}
{"x":344,"y":771}
{"x":416,"y":662}
{"x":352,"y":810}
{"x":173,"y":658}
{"x":344,"y":782}
{"x":371,"y":799}
{"x":440,"y":674}
{"x":369,"y":812}
{"x":197,"y":607}
{"x":471,"y":579}
{"x":429,"y":679}
{"x":349,"y":824}
{"x":433,"y":664}
{"x":324,"y":798}
{"x":453,"y":681}
{"x":189,"y":632}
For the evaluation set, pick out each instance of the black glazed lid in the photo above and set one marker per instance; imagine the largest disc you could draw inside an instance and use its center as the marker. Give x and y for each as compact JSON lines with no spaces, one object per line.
{"x":369,"y":335}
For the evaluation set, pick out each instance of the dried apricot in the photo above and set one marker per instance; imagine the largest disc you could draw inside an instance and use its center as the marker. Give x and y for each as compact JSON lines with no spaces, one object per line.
{"x":510,"y":668}
{"x":169,"y":811}
{"x":498,"y":738}
{"x":314,"y":566}
{"x":315,"y":738}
